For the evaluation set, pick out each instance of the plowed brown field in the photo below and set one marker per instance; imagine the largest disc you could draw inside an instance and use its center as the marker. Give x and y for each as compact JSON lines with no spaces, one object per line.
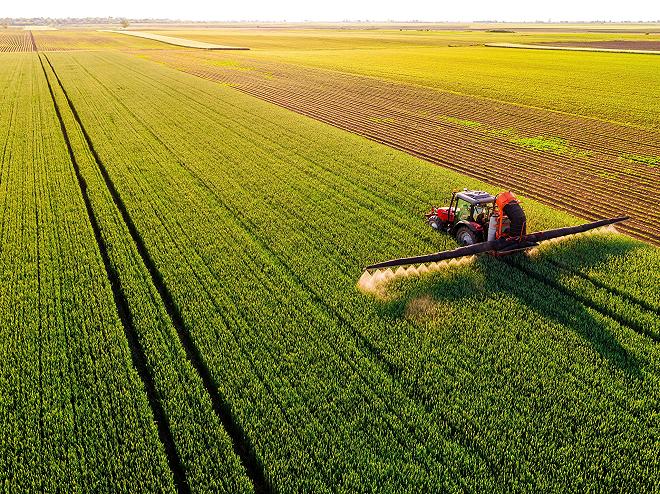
{"x":77,"y":40}
{"x":598,"y":169}
{"x":15,"y":41}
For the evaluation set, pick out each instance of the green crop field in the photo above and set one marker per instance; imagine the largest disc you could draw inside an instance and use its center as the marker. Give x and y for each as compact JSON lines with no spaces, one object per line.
{"x":179,"y":300}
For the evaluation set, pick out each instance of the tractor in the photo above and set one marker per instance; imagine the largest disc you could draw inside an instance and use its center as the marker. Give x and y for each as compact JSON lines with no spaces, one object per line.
{"x":485,"y":224}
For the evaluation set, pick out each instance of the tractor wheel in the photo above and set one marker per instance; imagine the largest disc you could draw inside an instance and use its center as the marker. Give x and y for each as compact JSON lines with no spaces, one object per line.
{"x":465,"y":236}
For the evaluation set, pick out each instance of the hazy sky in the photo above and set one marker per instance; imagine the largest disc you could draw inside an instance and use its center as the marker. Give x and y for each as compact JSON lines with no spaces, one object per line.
{"x":337,"y":10}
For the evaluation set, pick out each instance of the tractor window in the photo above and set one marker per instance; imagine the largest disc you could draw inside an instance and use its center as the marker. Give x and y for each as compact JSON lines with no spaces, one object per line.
{"x":478,"y":209}
{"x":481,"y":212}
{"x":462,"y":210}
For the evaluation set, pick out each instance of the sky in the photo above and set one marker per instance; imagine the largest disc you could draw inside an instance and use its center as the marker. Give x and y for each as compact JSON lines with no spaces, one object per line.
{"x":338,"y":10}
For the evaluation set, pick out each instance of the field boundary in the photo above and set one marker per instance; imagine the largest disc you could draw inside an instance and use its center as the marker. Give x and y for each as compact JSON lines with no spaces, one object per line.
{"x":570,"y":48}
{"x":171,"y":40}
{"x":240,"y":444}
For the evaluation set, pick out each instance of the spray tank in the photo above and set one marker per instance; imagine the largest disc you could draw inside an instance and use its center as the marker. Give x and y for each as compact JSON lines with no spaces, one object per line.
{"x":492,"y":227}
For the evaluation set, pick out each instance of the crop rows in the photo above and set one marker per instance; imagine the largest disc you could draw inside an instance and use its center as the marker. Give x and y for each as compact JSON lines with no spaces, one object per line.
{"x":258,"y":222}
{"x":15,"y":41}
{"x":261,"y":355}
{"x":596,"y":183}
{"x":73,"y":412}
{"x":202,"y":456}
{"x":94,"y":372}
{"x":61,"y":40}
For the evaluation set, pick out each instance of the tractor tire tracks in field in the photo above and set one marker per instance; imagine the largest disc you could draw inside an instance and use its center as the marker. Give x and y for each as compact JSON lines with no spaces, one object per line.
{"x":585,"y":301}
{"x":362,"y":342}
{"x":137,"y":352}
{"x":604,"y":286}
{"x":240,"y":444}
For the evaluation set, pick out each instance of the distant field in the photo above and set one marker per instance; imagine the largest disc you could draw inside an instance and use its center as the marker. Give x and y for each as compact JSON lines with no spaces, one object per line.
{"x":618,"y":44}
{"x":584,"y":47}
{"x":626,"y":90}
{"x":182,"y":42}
{"x":15,"y":41}
{"x":66,"y":40}
{"x":268,"y":38}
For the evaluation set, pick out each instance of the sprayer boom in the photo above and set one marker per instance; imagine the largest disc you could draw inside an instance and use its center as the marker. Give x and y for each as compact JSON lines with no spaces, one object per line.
{"x":502,"y":246}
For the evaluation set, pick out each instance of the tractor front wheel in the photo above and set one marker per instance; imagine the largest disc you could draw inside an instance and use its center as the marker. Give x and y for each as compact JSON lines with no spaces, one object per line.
{"x":465,"y":236}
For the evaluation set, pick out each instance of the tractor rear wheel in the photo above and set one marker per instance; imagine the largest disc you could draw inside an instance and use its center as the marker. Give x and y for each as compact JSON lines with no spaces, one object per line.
{"x":465,"y":236}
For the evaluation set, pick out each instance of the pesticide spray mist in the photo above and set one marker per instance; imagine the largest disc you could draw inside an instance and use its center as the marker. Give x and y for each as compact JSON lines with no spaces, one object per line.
{"x":375,"y":283}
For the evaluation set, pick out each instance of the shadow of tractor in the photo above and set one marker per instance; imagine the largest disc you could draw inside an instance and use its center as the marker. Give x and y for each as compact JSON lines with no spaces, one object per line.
{"x":430,"y":297}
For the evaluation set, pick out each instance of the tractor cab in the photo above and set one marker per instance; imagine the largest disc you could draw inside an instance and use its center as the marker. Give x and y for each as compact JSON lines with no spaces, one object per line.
{"x":471,"y":212}
{"x":471,"y":206}
{"x":467,"y":216}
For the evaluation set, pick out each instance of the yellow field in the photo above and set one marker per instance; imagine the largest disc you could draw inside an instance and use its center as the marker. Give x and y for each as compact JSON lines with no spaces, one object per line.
{"x":610,"y":86}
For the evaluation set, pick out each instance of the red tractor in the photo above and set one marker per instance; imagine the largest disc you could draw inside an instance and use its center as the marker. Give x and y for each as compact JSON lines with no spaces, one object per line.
{"x":475,"y":216}
{"x":486,"y":224}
